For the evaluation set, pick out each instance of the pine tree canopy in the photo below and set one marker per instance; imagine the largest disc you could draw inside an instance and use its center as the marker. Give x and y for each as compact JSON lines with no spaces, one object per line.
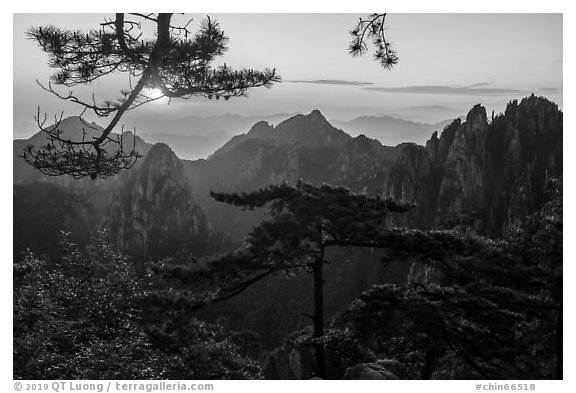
{"x":303,"y":219}
{"x":325,"y":212}
{"x":176,"y":62}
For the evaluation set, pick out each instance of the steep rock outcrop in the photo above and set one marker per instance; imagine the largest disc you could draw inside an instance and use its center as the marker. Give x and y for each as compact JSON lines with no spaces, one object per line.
{"x":369,"y":371}
{"x":415,"y":178}
{"x":152,"y":213}
{"x":464,"y":176}
{"x":526,"y":146}
{"x":485,"y":174}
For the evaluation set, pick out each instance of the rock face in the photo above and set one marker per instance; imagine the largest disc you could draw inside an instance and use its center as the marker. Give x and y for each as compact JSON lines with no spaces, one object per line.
{"x":489,"y":174}
{"x":369,"y":371}
{"x":149,"y":210}
{"x":464,"y":175}
{"x":414,"y":177}
{"x":289,"y":363}
{"x":152,"y":212}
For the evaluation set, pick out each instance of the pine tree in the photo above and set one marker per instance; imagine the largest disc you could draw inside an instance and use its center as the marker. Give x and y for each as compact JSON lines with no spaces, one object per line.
{"x":304,"y":221}
{"x":176,"y":62}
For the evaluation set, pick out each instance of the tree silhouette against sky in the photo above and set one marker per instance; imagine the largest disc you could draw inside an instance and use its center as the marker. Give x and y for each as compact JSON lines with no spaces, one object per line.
{"x":175,"y":64}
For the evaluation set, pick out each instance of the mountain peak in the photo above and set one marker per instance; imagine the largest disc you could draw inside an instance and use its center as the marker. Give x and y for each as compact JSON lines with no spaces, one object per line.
{"x":311,"y":130}
{"x":161,"y":149}
{"x":260,"y":129}
{"x":314,"y":119}
{"x":76,"y":123}
{"x":476,"y":115}
{"x":316,"y":114}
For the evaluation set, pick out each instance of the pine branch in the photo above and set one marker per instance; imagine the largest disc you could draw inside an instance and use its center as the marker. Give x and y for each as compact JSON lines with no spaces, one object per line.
{"x":176,"y":63}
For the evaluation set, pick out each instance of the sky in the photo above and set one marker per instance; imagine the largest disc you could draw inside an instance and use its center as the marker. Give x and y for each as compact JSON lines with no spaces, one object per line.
{"x":448,"y":63}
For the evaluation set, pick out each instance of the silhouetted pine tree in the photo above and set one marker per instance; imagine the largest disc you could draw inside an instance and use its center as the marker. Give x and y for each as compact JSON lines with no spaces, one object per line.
{"x":176,"y":62}
{"x":373,"y":28}
{"x":304,"y":220}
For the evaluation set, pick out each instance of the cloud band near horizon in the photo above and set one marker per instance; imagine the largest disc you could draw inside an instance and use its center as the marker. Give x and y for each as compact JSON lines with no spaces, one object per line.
{"x":473,"y":90}
{"x":332,"y":82}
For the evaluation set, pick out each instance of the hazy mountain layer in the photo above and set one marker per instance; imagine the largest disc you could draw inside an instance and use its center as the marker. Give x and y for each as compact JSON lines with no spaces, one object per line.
{"x":488,"y":173}
{"x":390,"y":130}
{"x":490,"y":169}
{"x":303,"y":147}
{"x":190,"y":147}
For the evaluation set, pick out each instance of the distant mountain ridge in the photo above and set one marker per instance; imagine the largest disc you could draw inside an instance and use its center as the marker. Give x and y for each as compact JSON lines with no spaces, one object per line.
{"x":303,"y":147}
{"x":390,"y":130}
{"x":456,"y":171}
{"x":194,"y":137}
{"x":309,"y":130}
{"x":71,"y":128}
{"x":451,"y":173}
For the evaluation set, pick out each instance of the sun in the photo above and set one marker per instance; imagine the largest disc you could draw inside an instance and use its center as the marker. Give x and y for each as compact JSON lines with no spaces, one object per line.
{"x":154,"y":93}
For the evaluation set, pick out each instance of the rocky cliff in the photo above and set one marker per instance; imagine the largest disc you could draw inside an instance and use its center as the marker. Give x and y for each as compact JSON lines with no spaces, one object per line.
{"x":485,"y":173}
{"x":149,"y":209}
{"x":152,"y":212}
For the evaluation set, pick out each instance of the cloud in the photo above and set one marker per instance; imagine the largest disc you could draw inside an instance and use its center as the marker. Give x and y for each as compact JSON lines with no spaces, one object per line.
{"x":550,"y":90}
{"x":473,"y":90}
{"x":333,"y":82}
{"x":481,"y":84}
